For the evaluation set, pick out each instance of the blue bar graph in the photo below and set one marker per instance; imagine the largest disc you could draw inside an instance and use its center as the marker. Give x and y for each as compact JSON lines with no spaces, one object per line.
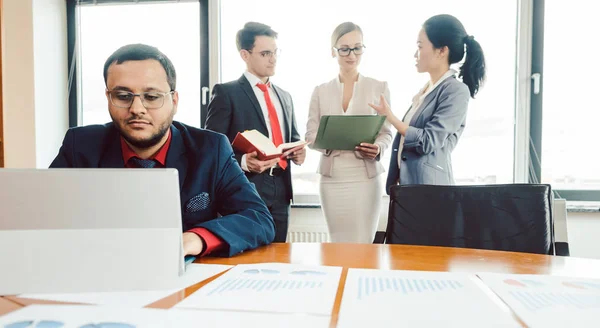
{"x":369,"y":286}
{"x":537,"y":301}
{"x":257,"y":285}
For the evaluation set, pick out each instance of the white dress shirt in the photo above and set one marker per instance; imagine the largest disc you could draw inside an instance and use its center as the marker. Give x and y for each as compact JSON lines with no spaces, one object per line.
{"x":254,"y":80}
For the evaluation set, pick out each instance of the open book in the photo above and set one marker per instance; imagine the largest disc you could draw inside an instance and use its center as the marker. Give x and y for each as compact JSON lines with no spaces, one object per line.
{"x":252,"y":140}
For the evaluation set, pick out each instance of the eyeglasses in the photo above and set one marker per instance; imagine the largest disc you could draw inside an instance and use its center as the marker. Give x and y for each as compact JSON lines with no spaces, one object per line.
{"x":344,"y":52}
{"x":150,"y":100}
{"x":268,"y":53}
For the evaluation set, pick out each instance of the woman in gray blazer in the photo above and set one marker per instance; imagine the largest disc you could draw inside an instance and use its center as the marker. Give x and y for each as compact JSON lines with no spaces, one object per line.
{"x":350,"y":186}
{"x":430,"y":130}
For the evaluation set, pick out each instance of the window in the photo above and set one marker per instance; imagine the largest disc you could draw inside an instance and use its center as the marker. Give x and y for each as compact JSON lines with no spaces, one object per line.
{"x":570,"y":118}
{"x":485,"y":151}
{"x":174,"y":28}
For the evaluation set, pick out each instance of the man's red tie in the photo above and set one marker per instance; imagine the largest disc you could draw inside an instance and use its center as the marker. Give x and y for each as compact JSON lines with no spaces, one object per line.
{"x":275,"y":127}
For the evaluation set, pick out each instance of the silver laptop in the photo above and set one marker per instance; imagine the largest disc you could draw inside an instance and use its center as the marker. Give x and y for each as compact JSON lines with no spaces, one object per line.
{"x":89,"y":230}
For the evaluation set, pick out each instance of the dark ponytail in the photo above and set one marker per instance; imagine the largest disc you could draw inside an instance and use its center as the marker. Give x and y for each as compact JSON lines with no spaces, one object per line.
{"x":448,"y":31}
{"x":472,"y":70}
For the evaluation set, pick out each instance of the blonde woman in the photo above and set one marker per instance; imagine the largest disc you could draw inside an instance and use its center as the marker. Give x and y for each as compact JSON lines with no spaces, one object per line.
{"x":350,"y":187}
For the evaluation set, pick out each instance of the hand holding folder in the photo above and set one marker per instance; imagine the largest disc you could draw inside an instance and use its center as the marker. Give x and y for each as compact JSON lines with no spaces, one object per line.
{"x":252,"y":140}
{"x":345,"y":132}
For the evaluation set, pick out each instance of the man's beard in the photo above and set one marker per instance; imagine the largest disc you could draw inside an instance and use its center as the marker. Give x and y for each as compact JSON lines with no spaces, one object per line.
{"x":150,"y":142}
{"x":147,"y":143}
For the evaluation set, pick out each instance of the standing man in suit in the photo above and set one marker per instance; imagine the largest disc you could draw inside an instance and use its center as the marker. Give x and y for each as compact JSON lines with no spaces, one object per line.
{"x":142,"y":100}
{"x":253,"y":102}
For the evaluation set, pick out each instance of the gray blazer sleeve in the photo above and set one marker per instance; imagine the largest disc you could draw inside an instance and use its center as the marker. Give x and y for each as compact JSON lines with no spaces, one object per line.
{"x":446,"y":120}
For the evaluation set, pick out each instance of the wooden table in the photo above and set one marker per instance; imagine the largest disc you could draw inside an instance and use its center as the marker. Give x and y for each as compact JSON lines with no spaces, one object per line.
{"x":397,"y":257}
{"x":8,"y":306}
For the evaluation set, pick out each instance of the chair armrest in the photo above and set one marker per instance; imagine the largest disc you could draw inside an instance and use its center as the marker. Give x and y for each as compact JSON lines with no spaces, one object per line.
{"x":379,"y":237}
{"x":562,"y":249}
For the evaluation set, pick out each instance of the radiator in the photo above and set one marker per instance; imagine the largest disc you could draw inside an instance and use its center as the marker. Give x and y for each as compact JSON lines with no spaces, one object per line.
{"x":307,"y":237}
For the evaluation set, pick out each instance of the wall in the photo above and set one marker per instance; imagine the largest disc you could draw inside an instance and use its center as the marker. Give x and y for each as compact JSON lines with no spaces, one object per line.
{"x":35,"y":81}
{"x":584,"y":230}
{"x":18,"y":87}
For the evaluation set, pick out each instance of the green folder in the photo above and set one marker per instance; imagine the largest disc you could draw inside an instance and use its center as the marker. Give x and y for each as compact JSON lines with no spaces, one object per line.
{"x":345,"y":132}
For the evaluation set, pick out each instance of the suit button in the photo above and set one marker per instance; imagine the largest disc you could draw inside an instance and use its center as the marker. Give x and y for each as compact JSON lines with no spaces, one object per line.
{"x":403,"y":158}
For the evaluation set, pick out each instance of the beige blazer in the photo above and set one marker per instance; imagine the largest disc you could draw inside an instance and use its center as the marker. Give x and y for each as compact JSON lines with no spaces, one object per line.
{"x":327,"y":100}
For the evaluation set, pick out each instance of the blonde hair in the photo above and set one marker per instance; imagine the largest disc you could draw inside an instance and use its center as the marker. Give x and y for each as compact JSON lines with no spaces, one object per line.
{"x":343,"y":29}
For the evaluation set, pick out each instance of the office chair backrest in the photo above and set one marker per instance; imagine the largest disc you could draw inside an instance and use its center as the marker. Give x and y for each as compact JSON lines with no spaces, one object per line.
{"x":511,"y":217}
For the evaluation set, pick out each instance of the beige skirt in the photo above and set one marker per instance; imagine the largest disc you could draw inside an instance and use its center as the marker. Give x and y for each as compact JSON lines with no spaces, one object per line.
{"x":351,"y":202}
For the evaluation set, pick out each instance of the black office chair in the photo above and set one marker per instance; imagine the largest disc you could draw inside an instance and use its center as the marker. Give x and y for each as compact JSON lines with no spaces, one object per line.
{"x":510,"y":217}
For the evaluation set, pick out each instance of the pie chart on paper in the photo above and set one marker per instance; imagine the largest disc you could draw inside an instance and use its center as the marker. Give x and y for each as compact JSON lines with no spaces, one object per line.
{"x":573,"y":285}
{"x":514,"y":282}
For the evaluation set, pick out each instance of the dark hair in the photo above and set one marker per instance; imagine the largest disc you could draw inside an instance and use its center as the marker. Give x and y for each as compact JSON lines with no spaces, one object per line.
{"x":447,"y":30}
{"x":142,"y":52}
{"x":245,"y":37}
{"x":342,"y":30}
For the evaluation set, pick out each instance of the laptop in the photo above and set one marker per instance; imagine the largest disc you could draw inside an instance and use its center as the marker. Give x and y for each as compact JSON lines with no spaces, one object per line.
{"x":89,"y":230}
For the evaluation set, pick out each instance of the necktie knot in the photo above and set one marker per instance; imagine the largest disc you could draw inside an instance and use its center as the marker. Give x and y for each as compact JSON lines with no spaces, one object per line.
{"x":143,"y":163}
{"x":263,"y":86}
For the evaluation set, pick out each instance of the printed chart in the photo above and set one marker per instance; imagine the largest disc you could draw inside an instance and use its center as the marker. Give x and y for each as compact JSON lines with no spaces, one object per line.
{"x":395,"y":298}
{"x":270,"y":287}
{"x":547,"y":300}
{"x":83,"y":316}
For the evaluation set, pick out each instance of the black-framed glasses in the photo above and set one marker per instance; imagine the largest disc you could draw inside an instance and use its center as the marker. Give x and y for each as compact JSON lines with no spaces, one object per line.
{"x":150,"y":99}
{"x":344,"y":52}
{"x":268,"y":53}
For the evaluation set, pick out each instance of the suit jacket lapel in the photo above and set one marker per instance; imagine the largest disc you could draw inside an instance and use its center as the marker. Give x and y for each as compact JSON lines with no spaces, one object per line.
{"x":287,"y":113}
{"x":428,"y":99}
{"x":176,"y":155}
{"x":113,"y":156}
{"x":245,"y":85}
{"x":424,"y":105}
{"x":407,"y":111}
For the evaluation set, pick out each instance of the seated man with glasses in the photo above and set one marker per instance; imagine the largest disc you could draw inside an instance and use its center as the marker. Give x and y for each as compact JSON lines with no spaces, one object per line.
{"x":141,"y":96}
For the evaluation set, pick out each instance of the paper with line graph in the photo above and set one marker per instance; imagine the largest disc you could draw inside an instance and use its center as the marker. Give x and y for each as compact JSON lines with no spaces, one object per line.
{"x":548,"y":301}
{"x":395,"y":298}
{"x":270,"y":287}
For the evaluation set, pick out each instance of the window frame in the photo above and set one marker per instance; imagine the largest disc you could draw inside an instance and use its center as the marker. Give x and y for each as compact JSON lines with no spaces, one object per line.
{"x":536,"y":110}
{"x":528,"y":106}
{"x":1,"y":102}
{"x":74,"y":60}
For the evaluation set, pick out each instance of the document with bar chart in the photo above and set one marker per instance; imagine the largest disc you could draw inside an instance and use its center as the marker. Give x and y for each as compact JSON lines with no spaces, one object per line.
{"x":395,"y":298}
{"x":270,"y":287}
{"x":548,"y":301}
{"x":84,"y":316}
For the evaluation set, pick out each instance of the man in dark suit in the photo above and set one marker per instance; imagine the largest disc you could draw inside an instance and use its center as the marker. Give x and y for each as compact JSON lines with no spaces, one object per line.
{"x":140,"y":90}
{"x":253,"y":102}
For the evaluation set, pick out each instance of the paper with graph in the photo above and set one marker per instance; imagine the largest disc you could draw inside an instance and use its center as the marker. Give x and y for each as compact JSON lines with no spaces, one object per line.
{"x":270,"y":287}
{"x":548,"y":301}
{"x":195,"y":273}
{"x":394,"y":298}
{"x":89,"y":316}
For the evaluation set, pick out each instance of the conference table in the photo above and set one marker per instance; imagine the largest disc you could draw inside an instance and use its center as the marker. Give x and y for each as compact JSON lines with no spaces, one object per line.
{"x":379,"y":256}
